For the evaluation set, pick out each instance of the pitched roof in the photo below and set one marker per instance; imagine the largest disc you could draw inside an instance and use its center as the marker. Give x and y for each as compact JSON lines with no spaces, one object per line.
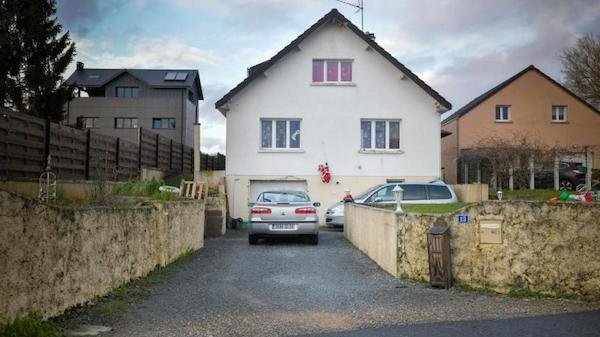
{"x":256,"y":70}
{"x":479,"y":99}
{"x":155,"y":78}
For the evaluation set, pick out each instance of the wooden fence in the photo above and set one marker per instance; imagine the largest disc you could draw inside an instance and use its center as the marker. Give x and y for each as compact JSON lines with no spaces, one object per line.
{"x":27,"y":141}
{"x":212,"y":162}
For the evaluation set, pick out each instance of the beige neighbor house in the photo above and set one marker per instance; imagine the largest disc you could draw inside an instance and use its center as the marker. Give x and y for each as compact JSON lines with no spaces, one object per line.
{"x":529,"y":103}
{"x":117,"y":102}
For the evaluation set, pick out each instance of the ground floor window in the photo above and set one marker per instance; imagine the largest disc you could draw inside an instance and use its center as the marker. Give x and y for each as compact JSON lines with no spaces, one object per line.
{"x":280,"y":133}
{"x":380,"y":134}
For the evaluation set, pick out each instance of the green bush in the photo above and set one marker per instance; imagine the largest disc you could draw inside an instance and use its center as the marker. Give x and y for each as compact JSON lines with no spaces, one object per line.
{"x":31,"y":326}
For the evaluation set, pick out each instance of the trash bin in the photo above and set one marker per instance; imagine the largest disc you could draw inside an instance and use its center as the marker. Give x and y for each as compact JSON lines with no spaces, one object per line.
{"x":438,"y":247}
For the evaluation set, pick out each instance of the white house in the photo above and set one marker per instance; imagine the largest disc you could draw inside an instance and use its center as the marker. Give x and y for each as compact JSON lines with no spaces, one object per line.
{"x":333,"y":95}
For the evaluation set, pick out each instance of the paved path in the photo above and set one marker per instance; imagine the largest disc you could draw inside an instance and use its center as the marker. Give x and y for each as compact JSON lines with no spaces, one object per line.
{"x":288,"y":288}
{"x":583,"y":324}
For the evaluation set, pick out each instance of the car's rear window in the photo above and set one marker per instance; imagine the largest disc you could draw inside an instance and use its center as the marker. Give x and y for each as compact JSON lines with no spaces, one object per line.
{"x":283,"y":197}
{"x":414,"y":192}
{"x":439,"y":192}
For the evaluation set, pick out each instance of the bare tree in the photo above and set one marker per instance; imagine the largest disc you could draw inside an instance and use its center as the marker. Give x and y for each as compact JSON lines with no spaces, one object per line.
{"x":581,"y":66}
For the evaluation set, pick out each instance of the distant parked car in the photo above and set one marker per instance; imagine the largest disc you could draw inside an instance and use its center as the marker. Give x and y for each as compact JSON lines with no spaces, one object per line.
{"x":570,"y":176}
{"x":283,"y":213}
{"x":436,"y":192}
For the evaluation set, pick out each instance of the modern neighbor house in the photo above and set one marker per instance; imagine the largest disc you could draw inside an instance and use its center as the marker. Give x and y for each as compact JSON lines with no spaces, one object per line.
{"x":529,"y":104}
{"x":117,"y":102}
{"x":332,"y":96}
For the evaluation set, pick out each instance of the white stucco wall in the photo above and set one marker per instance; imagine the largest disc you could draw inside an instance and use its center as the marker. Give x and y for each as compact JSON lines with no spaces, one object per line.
{"x":330,"y":127}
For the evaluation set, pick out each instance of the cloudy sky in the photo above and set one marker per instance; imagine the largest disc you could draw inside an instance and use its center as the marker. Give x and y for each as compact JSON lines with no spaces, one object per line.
{"x":460,"y":48}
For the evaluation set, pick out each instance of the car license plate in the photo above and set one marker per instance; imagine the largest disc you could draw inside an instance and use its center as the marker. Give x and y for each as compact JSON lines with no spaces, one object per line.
{"x":283,"y":227}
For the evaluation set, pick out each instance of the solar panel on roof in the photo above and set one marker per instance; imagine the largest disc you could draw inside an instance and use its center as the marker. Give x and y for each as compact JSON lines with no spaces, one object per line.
{"x":181,"y":76}
{"x":170,"y":76}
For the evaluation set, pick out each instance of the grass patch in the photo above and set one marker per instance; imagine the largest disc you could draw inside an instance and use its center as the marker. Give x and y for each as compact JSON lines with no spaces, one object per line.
{"x":532,"y":195}
{"x":120,"y":300}
{"x":31,"y":326}
{"x":526,"y":293}
{"x":428,"y":208}
{"x":148,"y":188}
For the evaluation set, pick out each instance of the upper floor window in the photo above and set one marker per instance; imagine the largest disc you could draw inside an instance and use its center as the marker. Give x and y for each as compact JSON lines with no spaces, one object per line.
{"x":332,"y":71}
{"x":380,"y":134}
{"x":191,"y":96}
{"x":559,"y":113}
{"x":127,"y":91}
{"x":88,"y":122}
{"x":280,"y":133}
{"x":502,"y":113}
{"x":126,"y":123}
{"x":163,"y":123}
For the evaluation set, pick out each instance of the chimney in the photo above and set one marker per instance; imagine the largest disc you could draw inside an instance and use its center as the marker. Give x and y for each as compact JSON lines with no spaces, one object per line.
{"x":370,"y":35}
{"x":80,"y":65}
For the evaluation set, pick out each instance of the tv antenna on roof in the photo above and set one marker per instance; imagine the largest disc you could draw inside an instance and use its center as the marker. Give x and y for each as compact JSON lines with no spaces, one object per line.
{"x":359,"y":5}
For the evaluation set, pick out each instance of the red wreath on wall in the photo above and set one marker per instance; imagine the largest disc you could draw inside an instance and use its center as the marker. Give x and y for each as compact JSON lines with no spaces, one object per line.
{"x":325,"y":174}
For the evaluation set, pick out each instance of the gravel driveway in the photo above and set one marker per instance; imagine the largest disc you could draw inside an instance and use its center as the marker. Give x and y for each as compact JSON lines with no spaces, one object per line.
{"x":229,"y":288}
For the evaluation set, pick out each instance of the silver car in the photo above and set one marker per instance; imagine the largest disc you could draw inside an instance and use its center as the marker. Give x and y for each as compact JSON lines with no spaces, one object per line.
{"x":435,"y":192}
{"x":283,"y":213}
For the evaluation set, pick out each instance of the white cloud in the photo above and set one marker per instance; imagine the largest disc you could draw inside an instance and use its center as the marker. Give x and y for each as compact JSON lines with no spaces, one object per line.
{"x":146,"y":52}
{"x":211,"y":150}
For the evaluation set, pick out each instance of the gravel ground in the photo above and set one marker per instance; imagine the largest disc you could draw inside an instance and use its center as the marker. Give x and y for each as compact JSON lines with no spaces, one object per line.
{"x":284,"y":288}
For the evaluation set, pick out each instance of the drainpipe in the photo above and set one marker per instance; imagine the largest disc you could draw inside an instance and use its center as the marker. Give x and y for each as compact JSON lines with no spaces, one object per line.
{"x":183,"y":126}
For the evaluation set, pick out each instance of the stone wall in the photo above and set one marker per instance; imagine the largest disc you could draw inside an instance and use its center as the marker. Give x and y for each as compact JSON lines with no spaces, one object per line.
{"x":72,"y":190}
{"x":53,"y":258}
{"x":547,"y":248}
{"x":216,"y":216}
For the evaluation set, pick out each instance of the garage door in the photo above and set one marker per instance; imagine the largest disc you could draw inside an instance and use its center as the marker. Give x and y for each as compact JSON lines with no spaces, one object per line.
{"x":258,"y":186}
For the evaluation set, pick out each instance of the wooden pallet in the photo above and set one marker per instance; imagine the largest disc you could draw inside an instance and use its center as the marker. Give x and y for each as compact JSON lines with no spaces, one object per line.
{"x":192,"y":189}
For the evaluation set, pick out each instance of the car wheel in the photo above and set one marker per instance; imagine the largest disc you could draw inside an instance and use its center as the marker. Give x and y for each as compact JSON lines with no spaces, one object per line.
{"x":252,"y":239}
{"x":314,"y":239}
{"x":565,"y":185}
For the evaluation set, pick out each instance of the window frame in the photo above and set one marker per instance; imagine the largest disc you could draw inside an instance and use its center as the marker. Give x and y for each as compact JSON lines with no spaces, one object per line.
{"x":508,"y":113}
{"x":130,"y":119}
{"x":132,"y":89}
{"x":273,"y":147}
{"x":339,"y":71}
{"x":161,"y":119}
{"x":373,"y":135}
{"x":564,"y":113}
